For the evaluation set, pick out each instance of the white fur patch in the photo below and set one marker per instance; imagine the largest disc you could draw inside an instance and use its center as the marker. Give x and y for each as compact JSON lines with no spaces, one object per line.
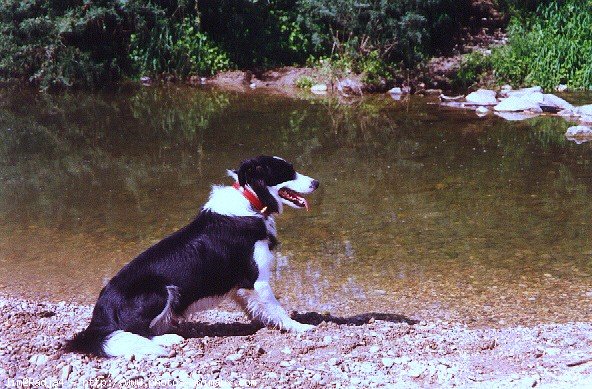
{"x":225,"y":200}
{"x":260,"y":303}
{"x":126,"y":344}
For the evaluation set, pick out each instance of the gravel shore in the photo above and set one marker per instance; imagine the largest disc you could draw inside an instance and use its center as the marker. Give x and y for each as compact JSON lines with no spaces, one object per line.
{"x":223,"y":350}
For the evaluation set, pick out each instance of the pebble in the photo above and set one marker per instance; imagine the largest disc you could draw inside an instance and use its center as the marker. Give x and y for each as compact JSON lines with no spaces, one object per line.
{"x":388,"y":362}
{"x":66,"y":370}
{"x":415,"y":369}
{"x":38,"y":359}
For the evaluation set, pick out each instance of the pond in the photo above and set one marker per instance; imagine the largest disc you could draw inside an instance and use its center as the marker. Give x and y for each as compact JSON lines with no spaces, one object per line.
{"x":423,"y":211}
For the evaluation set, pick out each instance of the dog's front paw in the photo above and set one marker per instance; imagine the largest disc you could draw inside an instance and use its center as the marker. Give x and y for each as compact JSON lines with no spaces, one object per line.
{"x":296,"y":327}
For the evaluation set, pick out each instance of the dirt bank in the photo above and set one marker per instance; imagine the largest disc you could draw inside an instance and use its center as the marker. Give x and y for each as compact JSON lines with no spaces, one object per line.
{"x":224,"y":350}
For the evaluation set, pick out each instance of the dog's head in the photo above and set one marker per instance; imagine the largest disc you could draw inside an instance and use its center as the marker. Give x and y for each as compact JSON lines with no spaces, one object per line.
{"x":275,"y":182}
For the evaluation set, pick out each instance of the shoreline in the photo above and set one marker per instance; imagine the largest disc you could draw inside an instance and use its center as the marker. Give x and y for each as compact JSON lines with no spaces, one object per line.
{"x":223,"y":349}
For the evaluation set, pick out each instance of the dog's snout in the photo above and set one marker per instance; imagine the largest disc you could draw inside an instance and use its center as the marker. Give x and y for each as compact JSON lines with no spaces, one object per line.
{"x":314,"y":184}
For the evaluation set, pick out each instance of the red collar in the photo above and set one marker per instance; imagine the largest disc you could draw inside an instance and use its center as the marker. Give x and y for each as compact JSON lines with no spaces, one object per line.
{"x":252,"y":197}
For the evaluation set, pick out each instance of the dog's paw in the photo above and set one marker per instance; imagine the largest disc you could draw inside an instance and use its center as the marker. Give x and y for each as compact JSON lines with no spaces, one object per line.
{"x":167,"y":340}
{"x":296,"y":327}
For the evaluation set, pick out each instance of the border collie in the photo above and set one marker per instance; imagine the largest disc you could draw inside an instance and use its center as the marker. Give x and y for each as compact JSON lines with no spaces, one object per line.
{"x":224,"y":251}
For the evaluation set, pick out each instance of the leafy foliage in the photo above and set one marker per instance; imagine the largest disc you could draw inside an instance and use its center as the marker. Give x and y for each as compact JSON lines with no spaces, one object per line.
{"x":552,"y":47}
{"x":63,"y":43}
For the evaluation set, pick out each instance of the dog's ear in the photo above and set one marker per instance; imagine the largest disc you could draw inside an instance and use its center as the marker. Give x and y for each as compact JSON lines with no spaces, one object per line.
{"x":253,"y":173}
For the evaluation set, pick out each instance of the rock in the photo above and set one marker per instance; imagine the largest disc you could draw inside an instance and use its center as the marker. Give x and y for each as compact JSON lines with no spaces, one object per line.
{"x":567,"y":113}
{"x":481,"y":111}
{"x":579,"y":134}
{"x":415,"y":369}
{"x":551,"y":100}
{"x":482,"y":97}
{"x":516,"y":116}
{"x":319,"y":88}
{"x":431,"y":92}
{"x":234,"y":357}
{"x":584,"y":110}
{"x":38,"y":359}
{"x":349,"y":87}
{"x":561,"y":88}
{"x":452,"y":98}
{"x":66,"y":370}
{"x":388,"y":362}
{"x":395,"y":91}
{"x":520,"y":103}
{"x":525,"y":91}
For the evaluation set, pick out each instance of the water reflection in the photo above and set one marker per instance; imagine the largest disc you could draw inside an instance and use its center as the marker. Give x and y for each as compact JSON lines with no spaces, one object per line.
{"x":423,"y":211}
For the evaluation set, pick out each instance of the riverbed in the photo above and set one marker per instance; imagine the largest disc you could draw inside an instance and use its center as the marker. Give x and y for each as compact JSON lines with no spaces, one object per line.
{"x":423,"y":211}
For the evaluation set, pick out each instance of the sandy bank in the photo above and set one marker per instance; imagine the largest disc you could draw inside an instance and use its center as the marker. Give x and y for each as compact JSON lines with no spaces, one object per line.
{"x":224,"y":350}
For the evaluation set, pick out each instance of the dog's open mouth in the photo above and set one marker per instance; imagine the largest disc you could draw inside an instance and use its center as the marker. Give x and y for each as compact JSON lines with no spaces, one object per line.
{"x":293,"y":197}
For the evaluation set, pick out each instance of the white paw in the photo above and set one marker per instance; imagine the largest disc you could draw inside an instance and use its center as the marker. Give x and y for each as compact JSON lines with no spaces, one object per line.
{"x":167,"y":340}
{"x":296,"y":327}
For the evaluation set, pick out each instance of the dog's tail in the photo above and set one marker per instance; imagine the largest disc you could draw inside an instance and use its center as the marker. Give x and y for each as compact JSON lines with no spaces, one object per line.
{"x":108,"y":343}
{"x":90,"y":341}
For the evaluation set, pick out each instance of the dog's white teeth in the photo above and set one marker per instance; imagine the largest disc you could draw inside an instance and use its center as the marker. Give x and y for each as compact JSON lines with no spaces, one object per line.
{"x":293,"y":197}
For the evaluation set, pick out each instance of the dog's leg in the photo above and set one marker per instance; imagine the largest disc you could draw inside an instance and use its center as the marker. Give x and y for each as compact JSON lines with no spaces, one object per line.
{"x":260,"y":303}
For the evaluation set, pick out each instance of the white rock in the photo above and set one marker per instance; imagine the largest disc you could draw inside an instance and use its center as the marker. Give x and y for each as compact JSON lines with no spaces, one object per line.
{"x":554,"y":101}
{"x":388,"y":362}
{"x":415,"y":369}
{"x":520,"y":103}
{"x":395,"y":91}
{"x":38,"y":359}
{"x":482,"y":111}
{"x":525,"y":91}
{"x":66,"y":370}
{"x":584,"y":110}
{"x":319,"y":88}
{"x":482,"y":97}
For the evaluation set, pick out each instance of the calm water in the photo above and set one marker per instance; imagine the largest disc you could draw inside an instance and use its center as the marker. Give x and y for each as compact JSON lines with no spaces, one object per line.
{"x":422,"y":211}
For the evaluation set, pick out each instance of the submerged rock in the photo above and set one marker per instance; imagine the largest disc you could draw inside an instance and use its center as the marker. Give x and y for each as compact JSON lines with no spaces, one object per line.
{"x":319,"y":88}
{"x":579,"y":134}
{"x":516,"y":116}
{"x":349,"y":87}
{"x":481,"y":111}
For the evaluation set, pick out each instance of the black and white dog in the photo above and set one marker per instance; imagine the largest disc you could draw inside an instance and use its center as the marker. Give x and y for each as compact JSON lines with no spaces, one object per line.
{"x":225,"y":251}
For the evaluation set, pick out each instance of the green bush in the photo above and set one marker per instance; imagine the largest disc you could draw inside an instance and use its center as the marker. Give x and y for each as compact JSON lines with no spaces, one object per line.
{"x":474,"y":68}
{"x":552,"y":47}
{"x":404,"y":31}
{"x":172,"y":44}
{"x":63,"y":43}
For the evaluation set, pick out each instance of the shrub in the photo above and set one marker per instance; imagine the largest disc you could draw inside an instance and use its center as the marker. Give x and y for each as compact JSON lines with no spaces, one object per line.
{"x":172,"y":44}
{"x":552,"y":47}
{"x":402,"y":31}
{"x":63,"y":43}
{"x":474,"y":68}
